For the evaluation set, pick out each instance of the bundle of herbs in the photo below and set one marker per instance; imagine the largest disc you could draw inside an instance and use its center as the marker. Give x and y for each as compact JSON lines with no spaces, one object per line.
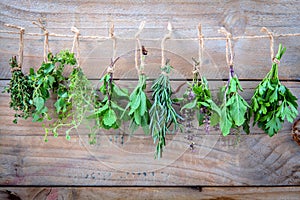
{"x":107,"y":110}
{"x":199,"y":98}
{"x":21,"y":91}
{"x":272,"y":102}
{"x":162,"y":112}
{"x":234,"y":107}
{"x":139,"y":106}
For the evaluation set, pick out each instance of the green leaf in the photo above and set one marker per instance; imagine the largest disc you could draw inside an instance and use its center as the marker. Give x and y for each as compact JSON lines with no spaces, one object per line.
{"x":214,"y":119}
{"x":38,"y":103}
{"x":137,"y":118}
{"x":120,"y":92}
{"x":238,"y":110}
{"x":190,"y":105}
{"x":109,"y":117}
{"x":225,"y":122}
{"x":143,"y":107}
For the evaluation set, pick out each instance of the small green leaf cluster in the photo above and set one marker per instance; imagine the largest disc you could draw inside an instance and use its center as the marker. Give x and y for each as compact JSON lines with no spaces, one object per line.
{"x":107,"y":112}
{"x":273,"y":102}
{"x":21,"y":91}
{"x":139,"y":106}
{"x":162,"y":112}
{"x":234,"y":107}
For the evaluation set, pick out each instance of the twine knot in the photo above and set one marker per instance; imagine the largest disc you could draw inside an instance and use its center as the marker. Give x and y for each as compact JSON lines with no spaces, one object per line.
{"x":275,"y":60}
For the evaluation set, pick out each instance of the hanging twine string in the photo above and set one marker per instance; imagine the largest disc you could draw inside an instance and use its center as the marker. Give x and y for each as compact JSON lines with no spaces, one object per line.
{"x":76,"y":43}
{"x":21,"y":46}
{"x":112,"y":36}
{"x":270,"y":34}
{"x":140,"y":69}
{"x":167,"y":36}
{"x":201,"y":49}
{"x":39,"y":23}
{"x":229,"y":49}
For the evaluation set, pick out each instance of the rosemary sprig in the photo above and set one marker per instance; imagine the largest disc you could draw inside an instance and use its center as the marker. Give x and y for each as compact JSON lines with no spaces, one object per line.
{"x":162,"y":112}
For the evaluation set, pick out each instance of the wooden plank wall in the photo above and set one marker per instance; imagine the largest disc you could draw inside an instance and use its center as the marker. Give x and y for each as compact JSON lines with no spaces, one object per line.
{"x":120,"y":159}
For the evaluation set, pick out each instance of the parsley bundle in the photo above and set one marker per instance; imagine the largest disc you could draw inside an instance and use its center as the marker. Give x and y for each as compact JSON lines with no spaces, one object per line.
{"x":139,"y":106}
{"x":273,"y":102}
{"x":107,"y":110}
{"x":21,"y":90}
{"x":162,"y":112}
{"x":234,"y":107}
{"x":199,"y":96}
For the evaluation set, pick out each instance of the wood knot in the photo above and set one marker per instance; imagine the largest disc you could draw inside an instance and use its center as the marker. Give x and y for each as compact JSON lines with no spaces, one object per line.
{"x":296,"y":132}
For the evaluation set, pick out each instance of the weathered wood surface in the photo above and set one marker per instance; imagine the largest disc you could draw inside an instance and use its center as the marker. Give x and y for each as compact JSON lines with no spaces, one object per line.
{"x":118,"y":159}
{"x":205,"y":193}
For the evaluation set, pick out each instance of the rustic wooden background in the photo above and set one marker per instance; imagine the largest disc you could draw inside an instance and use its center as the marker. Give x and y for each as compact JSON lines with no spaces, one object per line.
{"x":119,"y":159}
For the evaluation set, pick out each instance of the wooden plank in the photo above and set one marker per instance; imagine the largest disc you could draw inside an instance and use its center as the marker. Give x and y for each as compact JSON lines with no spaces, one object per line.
{"x":208,"y":193}
{"x":241,"y":18}
{"x":215,"y":160}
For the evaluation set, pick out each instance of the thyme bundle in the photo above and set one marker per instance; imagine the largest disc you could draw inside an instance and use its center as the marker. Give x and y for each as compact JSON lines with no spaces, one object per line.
{"x":21,"y":90}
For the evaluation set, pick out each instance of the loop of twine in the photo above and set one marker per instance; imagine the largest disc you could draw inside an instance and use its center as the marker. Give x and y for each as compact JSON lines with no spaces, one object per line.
{"x":229,"y":49}
{"x":46,"y":39}
{"x":167,"y":36}
{"x":201,"y":49}
{"x":21,"y":44}
{"x":140,"y":69}
{"x":112,"y":36}
{"x":76,"y":43}
{"x":270,"y":34}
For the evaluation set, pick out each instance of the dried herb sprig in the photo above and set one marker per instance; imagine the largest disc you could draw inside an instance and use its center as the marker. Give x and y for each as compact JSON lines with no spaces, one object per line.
{"x":272,"y":102}
{"x":162,"y":112}
{"x":234,"y":107}
{"x":200,"y":99}
{"x":21,"y":90}
{"x":107,"y":111}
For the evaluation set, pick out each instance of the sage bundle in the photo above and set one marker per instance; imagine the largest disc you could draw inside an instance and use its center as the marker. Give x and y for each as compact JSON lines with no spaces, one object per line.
{"x":162,"y":113}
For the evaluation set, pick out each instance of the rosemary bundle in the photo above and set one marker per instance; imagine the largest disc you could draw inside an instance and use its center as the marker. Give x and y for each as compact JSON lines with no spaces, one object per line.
{"x":162,"y":112}
{"x":272,"y":102}
{"x":21,"y":90}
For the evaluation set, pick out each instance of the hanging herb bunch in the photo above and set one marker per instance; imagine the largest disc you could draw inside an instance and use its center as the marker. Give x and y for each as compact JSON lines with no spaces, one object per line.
{"x":107,"y":112}
{"x":139,"y":104}
{"x":234,"y":106}
{"x":200,"y":99}
{"x":162,"y":113}
{"x":21,"y":90}
{"x":273,"y":102}
{"x":81,"y":96}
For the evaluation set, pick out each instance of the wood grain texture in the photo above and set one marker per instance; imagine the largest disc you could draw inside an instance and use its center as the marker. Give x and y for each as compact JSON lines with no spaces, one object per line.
{"x":122,"y":159}
{"x":204,"y":193}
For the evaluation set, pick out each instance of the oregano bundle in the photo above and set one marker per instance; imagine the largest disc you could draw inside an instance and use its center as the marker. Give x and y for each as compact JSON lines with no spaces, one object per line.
{"x":272,"y":102}
{"x":162,"y":112}
{"x":21,"y":90}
